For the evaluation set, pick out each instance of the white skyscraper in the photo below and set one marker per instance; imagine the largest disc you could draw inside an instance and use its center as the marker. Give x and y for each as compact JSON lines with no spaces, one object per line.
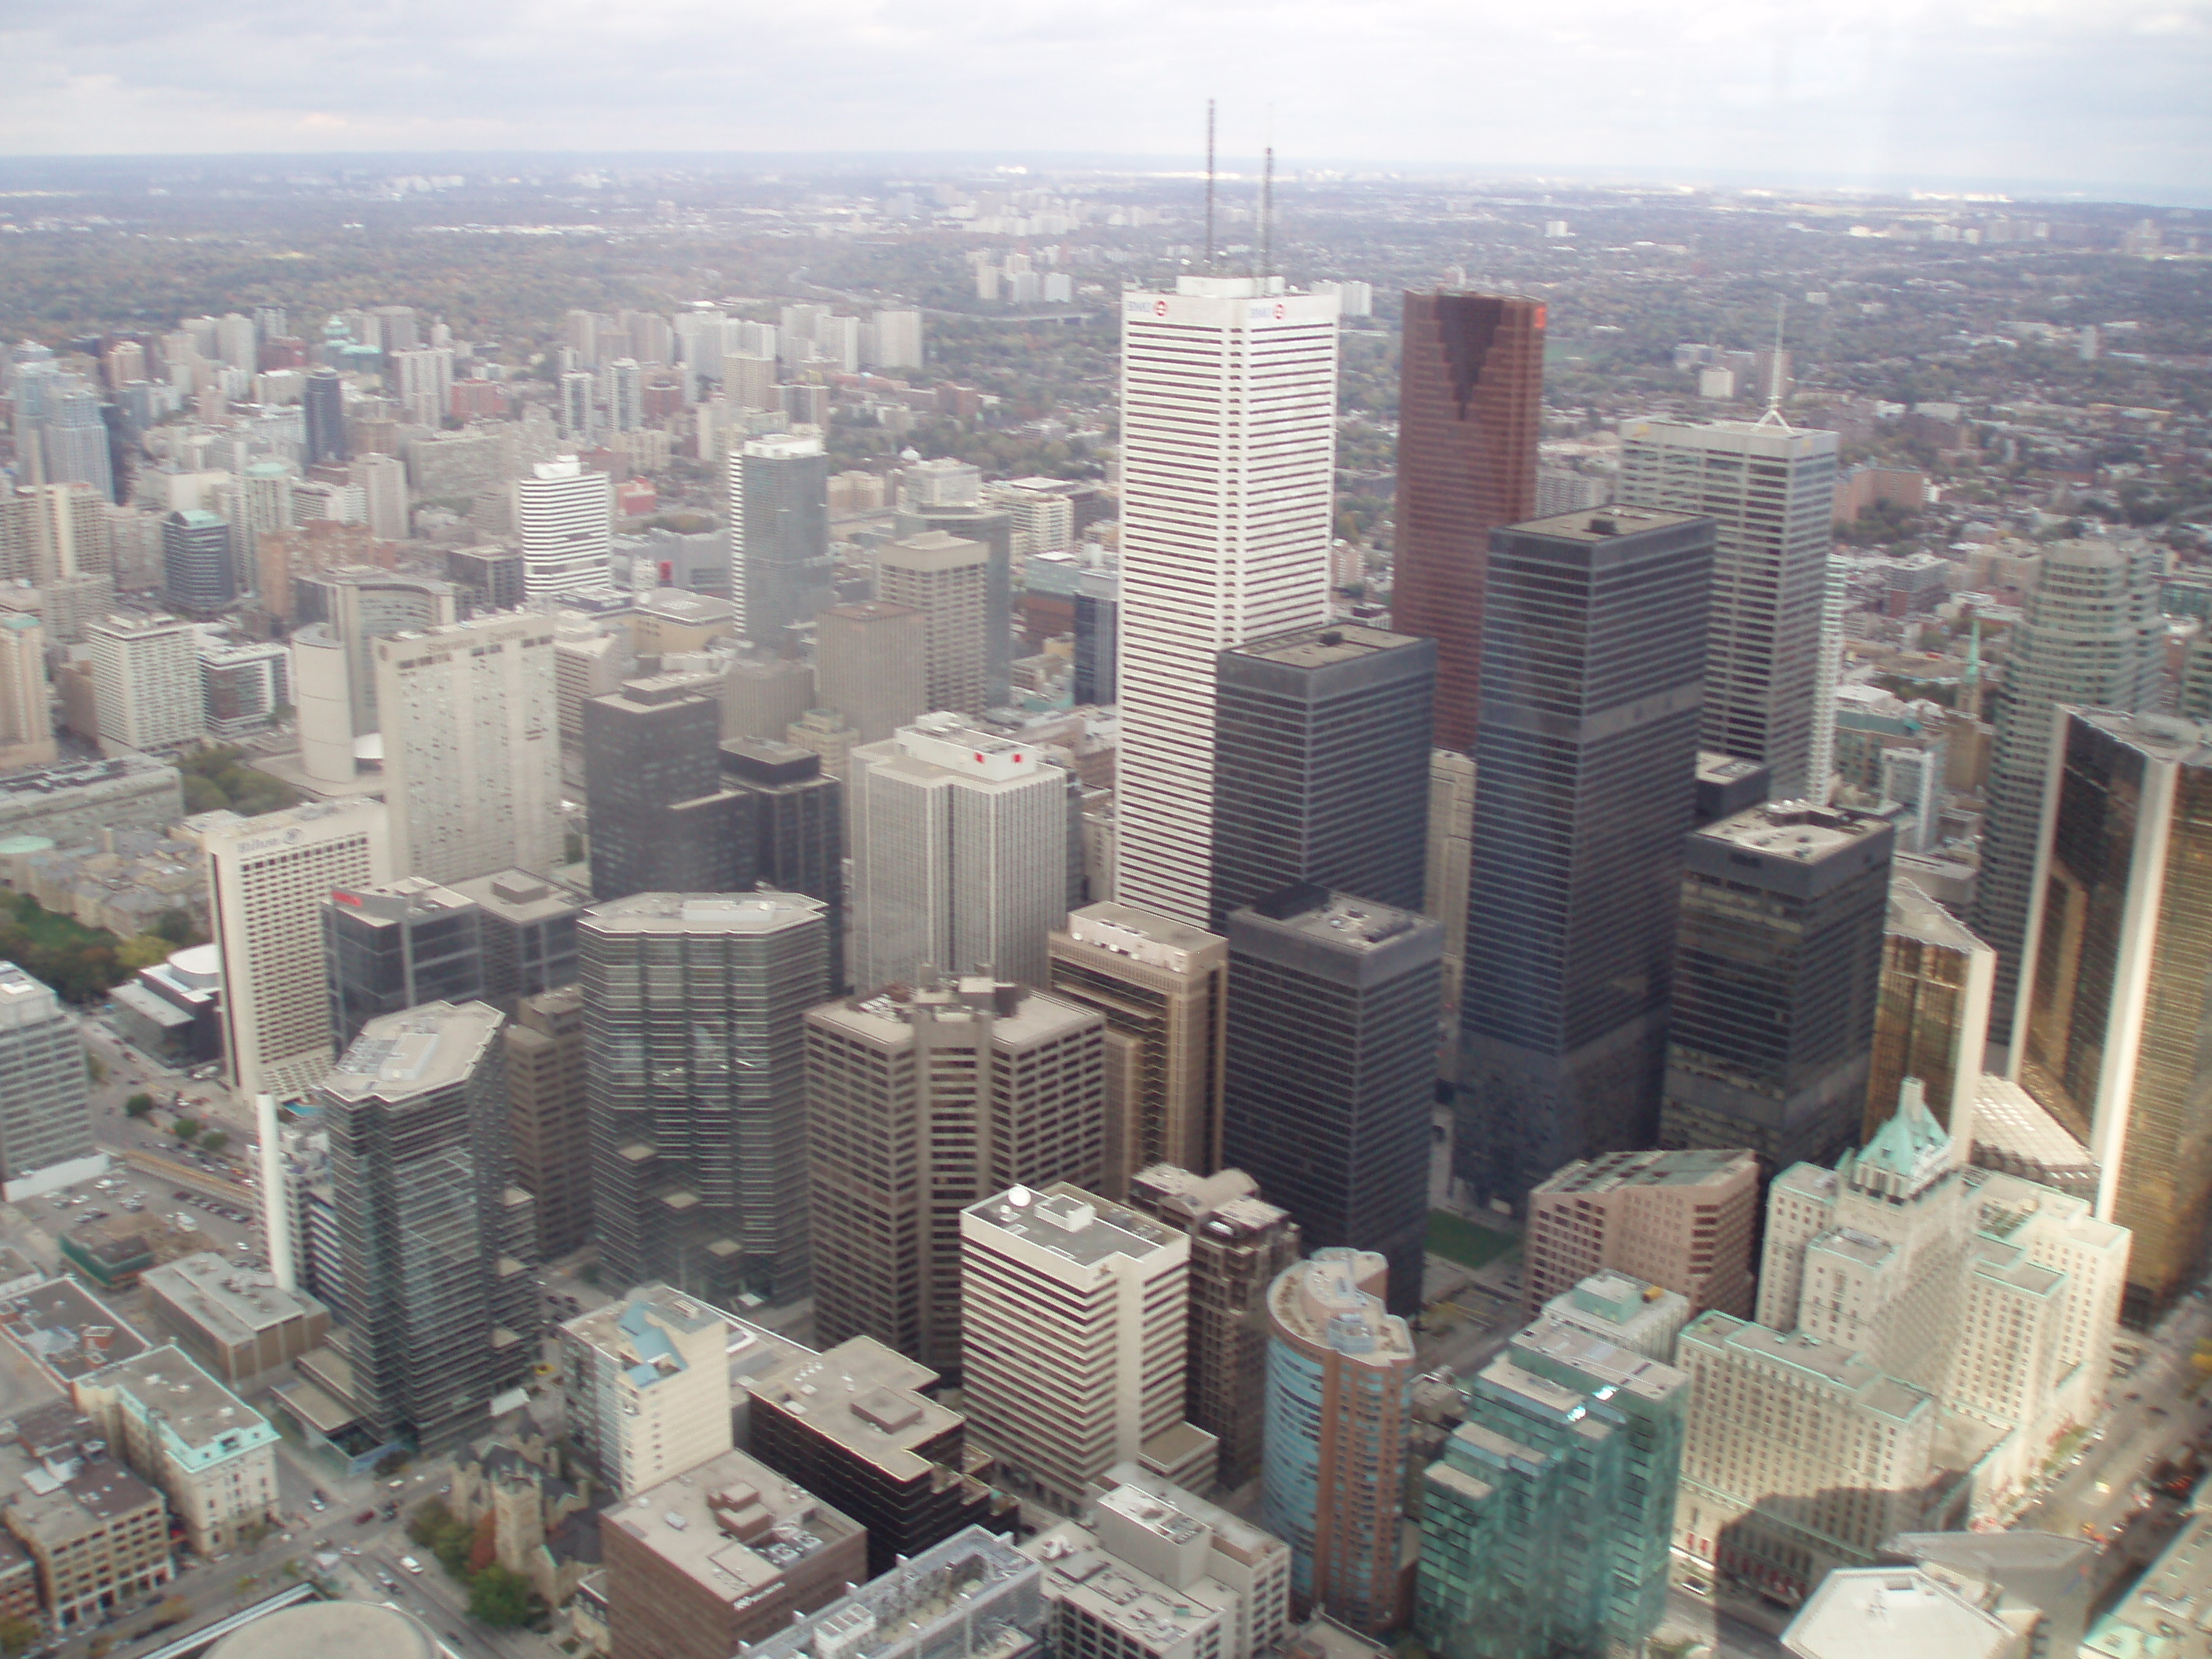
{"x":565,"y":515}
{"x":27,"y":719}
{"x":1228,"y":457}
{"x":145,"y":682}
{"x":1773,"y":636}
{"x":625,"y":390}
{"x":896,"y":340}
{"x":426,"y":384}
{"x":471,"y":748}
{"x":383,"y":481}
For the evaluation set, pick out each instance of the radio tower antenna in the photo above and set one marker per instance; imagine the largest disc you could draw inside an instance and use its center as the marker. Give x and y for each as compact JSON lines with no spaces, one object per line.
{"x":1267,"y":215}
{"x":1209,"y":185}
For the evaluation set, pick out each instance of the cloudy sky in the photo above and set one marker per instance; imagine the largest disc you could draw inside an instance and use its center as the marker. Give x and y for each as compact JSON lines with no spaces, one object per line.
{"x":2099,"y":95}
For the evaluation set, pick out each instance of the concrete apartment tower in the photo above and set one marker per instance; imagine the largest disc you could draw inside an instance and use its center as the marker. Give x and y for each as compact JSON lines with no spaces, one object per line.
{"x":916,"y":1107}
{"x":1162,"y":988}
{"x":46,"y":1123}
{"x":1932,"y":1019}
{"x":1228,"y":478}
{"x":146,"y":682}
{"x":646,"y":1381}
{"x":26,"y":715}
{"x":1339,"y":1400}
{"x":1073,"y":1349}
{"x":1681,"y":1220}
{"x":871,"y":665}
{"x":947,"y":579}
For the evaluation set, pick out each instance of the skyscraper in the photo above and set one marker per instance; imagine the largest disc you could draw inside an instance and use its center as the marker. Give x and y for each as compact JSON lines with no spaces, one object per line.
{"x":1322,"y":766}
{"x":1771,"y":491}
{"x":1331,"y":1071}
{"x":694,"y":1009}
{"x":417,"y":1110}
{"x":26,"y":715}
{"x":917,"y":1107}
{"x":780,"y":567}
{"x":1932,"y":1018}
{"x":577,"y":425}
{"x":2088,"y":635}
{"x":45,"y":1122}
{"x":1470,"y":396}
{"x":946,"y":578}
{"x":870,"y":666}
{"x":2119,"y":943}
{"x":529,"y":934}
{"x":1593,"y":657}
{"x":960,"y":855}
{"x":1228,"y":468}
{"x":1098,"y":637}
{"x":199,"y":576}
{"x":391,"y":948}
{"x":950,"y":506}
{"x":549,"y":1115}
{"x":796,"y":814}
{"x":146,"y":682}
{"x":1777,"y":973}
{"x":323,"y":402}
{"x":74,"y":439}
{"x":661,"y":820}
{"x":1682,"y":1220}
{"x":565,"y":516}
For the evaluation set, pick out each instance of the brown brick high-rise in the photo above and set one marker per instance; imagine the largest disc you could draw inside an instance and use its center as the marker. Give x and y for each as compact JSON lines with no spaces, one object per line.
{"x":1470,"y":398}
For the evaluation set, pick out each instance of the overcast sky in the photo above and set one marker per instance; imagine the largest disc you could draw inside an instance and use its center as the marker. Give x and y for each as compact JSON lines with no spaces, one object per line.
{"x":2097,"y":94}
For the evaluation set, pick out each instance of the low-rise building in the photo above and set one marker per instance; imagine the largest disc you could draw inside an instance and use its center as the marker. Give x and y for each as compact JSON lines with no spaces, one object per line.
{"x":972,"y":1596}
{"x":98,"y":1535}
{"x":1900,"y":1613}
{"x":214,"y":1455}
{"x":240,"y":1324}
{"x":72,"y":802}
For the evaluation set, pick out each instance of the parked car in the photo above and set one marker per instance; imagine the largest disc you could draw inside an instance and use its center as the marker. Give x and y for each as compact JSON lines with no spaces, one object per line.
{"x":411,"y":1564}
{"x":364,"y":1517}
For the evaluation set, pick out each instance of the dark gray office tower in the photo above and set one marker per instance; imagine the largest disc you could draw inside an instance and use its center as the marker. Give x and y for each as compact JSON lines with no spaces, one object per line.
{"x":391,"y":948}
{"x":1586,"y":745}
{"x":696,"y":1078}
{"x":779,"y":565}
{"x":197,"y":574}
{"x":995,"y":530}
{"x":661,"y":822}
{"x":491,"y":577}
{"x":1322,"y":741}
{"x":323,"y":402}
{"x":799,"y":827}
{"x":1097,"y":636}
{"x":1331,"y":1071}
{"x":426,"y":1213}
{"x":529,"y":934}
{"x":1778,"y":971}
{"x":1727,"y":786}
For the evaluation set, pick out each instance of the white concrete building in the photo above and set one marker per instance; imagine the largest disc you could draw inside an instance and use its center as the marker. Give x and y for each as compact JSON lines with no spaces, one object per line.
{"x":647,"y":1384}
{"x":145,"y":682}
{"x":26,"y":715}
{"x":177,"y":1427}
{"x":895,"y":340}
{"x":565,"y":516}
{"x":45,"y":1125}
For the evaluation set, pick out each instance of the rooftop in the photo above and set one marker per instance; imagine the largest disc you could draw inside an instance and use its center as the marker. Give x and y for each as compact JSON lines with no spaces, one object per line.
{"x":1018,"y":1016}
{"x":752,"y":1349}
{"x":974,"y":1579}
{"x":1324,"y":647}
{"x":232,"y":1304}
{"x":518,"y":897}
{"x":1679,"y":1169}
{"x":692,"y":913}
{"x":1795,"y":829}
{"x":865,"y":1397}
{"x":1900,"y":1613}
{"x":1068,"y":1222}
{"x":1826,"y":1363}
{"x":192,"y":1406}
{"x":399,"y":1057}
{"x":1343,"y":920}
{"x":1602,"y":524}
{"x":732,"y":1524}
{"x":1913,"y":914}
{"x":1332,"y":1300}
{"x":1146,"y":936}
{"x":2167,"y":738}
{"x":68,"y":1330}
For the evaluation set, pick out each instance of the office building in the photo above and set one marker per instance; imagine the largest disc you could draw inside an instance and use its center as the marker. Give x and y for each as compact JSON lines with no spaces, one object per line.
{"x":45,"y":1122}
{"x":26,"y":715}
{"x":896,"y":337}
{"x":243,"y":686}
{"x":973,"y":1597}
{"x":549,"y":1117}
{"x":780,"y":564}
{"x":2089,"y":635}
{"x":360,"y":605}
{"x":383,"y":482}
{"x":797,"y":819}
{"x":1776,"y":974}
{"x":1629,"y":1313}
{"x":917,"y":1106}
{"x":1770,"y":658}
{"x":1331,"y":1072}
{"x":471,"y":748}
{"x":2120,"y":942}
{"x":960,"y":855}
{"x":417,"y":1110}
{"x":1450,"y":859}
{"x":853,"y":1425}
{"x":693,"y":1036}
{"x":1162,"y":988}
{"x":1239,"y":1245}
{"x":956,"y":513}
{"x":564,"y":515}
{"x":1322,"y":766}
{"x":1585,"y":755}
{"x":390,"y":948}
{"x":946,"y":578}
{"x":529,"y":929}
{"x":1228,"y":457}
{"x":199,"y":575}
{"x":1338,"y":1399}
{"x":763,"y":696}
{"x":1154,"y":1572}
{"x":1545,"y":1526}
{"x":647,"y":1383}
{"x":146,"y":683}
{"x":661,"y":820}
{"x":182,"y":1430}
{"x":1470,"y":395}
{"x":268,"y":879}
{"x":871,"y":665}
{"x":323,"y":404}
{"x":1932,"y":1017}
{"x":1098,"y":638}
{"x":1683,"y":1220}
{"x":1865,"y":1610}
{"x":1075,"y":1316}
{"x":238,"y":1324}
{"x":74,"y":440}
{"x":98,"y":1535}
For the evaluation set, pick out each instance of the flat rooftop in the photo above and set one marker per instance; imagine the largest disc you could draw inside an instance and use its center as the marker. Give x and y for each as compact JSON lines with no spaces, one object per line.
{"x":399,"y":1057}
{"x":1017,"y":1019}
{"x":733,"y":1525}
{"x":1651,"y":1169}
{"x":864,"y":1396}
{"x":1343,"y":920}
{"x":1072,"y":1224}
{"x":752,"y":1349}
{"x":1600,"y":523}
{"x":68,"y":1330}
{"x":1320,"y":1299}
{"x":1621,"y":1369}
{"x":1794,"y":830}
{"x":696,"y":913}
{"x":1325,"y":647}
{"x":1828,"y":1362}
{"x":1900,"y":1613}
{"x":232,"y":1304}
{"x":195,"y":1408}
{"x":1114,"y":926}
{"x":1913,"y":914}
{"x":2168,"y":737}
{"x":518,"y":897}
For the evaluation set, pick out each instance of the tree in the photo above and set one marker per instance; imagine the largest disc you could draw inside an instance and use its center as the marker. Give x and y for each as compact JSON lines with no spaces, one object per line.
{"x":502,"y":1598}
{"x":214,"y":1141}
{"x":186,"y":1129}
{"x":18,"y":1636}
{"x":142,"y":950}
{"x":484,"y":1548}
{"x":139,"y":1105}
{"x":176,"y":926}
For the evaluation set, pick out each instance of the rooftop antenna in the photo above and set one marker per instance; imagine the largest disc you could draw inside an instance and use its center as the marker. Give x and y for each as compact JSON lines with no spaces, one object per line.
{"x":1267,"y":215}
{"x":1209,"y":185}
{"x":1774,"y":415}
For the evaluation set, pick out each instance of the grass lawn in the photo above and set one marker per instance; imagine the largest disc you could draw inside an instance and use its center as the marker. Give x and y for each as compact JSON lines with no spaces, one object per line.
{"x":1457,"y":1239}
{"x":53,"y":930}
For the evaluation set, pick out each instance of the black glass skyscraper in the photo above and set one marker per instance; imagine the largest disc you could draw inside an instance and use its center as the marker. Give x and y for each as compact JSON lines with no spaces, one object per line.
{"x":391,"y":948}
{"x":780,"y":569}
{"x":323,"y":402}
{"x":1593,"y":662}
{"x":197,"y":572}
{"x":661,"y":820}
{"x":798,"y":817}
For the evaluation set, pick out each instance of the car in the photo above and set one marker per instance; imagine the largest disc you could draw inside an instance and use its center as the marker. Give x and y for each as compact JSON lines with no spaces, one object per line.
{"x":389,"y":1582}
{"x":317,"y":1505}
{"x":1697,"y":1586}
{"x":181,"y":1196}
{"x":411,"y":1564}
{"x":364,"y":1517}
{"x":319,"y":1495}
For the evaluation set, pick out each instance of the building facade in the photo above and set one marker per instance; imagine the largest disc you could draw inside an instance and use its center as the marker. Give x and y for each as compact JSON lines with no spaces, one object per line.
{"x":1684,"y":1220}
{"x":46,"y":1115}
{"x":780,"y":566}
{"x":948,"y":579}
{"x":1932,"y":1018}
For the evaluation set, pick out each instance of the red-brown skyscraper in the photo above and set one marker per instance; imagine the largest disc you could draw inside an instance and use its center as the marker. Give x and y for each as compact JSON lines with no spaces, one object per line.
{"x":1469,"y":408}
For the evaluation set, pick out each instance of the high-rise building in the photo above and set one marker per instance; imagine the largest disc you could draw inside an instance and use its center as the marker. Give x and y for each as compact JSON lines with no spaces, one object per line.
{"x":779,"y":565}
{"x":1628,"y":1312}
{"x":1322,"y":741}
{"x":1932,"y":1017}
{"x":198,"y":574}
{"x":529,"y":934}
{"x":1776,"y":974}
{"x":394,"y":947}
{"x":361,"y":605}
{"x":1771,"y":491}
{"x":565,"y":517}
{"x":1470,"y":395}
{"x":960,"y":855}
{"x":1682,"y":1220}
{"x":1545,"y":1527}
{"x":146,"y":682}
{"x":1239,"y":1245}
{"x":1339,"y":1405}
{"x":1450,"y":862}
{"x":45,"y":1124}
{"x":918,"y":1106}
{"x":416,"y":1109}
{"x":661,"y":820}
{"x":1228,"y":470}
{"x":646,"y":1380}
{"x":383,"y":481}
{"x":946,"y":578}
{"x":870,"y":666}
{"x":1075,"y":1312}
{"x":992,"y":529}
{"x":694,"y":1035}
{"x":27,"y":715}
{"x":471,"y":748}
{"x":323,"y":402}
{"x":1098,"y":638}
{"x":74,"y":439}
{"x":548,"y":1115}
{"x":1164,"y":989}
{"x":268,"y":879}
{"x":624,"y":384}
{"x":2114,"y":1043}
{"x":2090,"y":635}
{"x":798,"y":820}
{"x":577,"y":423}
{"x":1594,"y":655}
{"x":895,"y":340}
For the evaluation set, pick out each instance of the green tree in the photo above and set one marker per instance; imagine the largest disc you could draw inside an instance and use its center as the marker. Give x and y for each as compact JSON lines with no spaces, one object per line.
{"x":139,"y":1105}
{"x":18,"y":1636}
{"x":214,"y":1141}
{"x":142,"y":950}
{"x":176,"y":926}
{"x":186,"y":1129}
{"x":502,"y":1598}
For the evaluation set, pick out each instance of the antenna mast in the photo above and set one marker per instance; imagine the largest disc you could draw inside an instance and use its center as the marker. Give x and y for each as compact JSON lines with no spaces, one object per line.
{"x":1267,"y":216}
{"x":1209,"y":185}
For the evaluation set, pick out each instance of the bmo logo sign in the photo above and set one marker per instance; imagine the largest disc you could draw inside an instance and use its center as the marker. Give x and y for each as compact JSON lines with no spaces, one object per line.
{"x":1159,"y":307}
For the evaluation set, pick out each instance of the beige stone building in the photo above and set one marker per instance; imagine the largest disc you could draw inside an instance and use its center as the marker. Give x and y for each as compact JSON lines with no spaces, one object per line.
{"x":1682,"y":1220}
